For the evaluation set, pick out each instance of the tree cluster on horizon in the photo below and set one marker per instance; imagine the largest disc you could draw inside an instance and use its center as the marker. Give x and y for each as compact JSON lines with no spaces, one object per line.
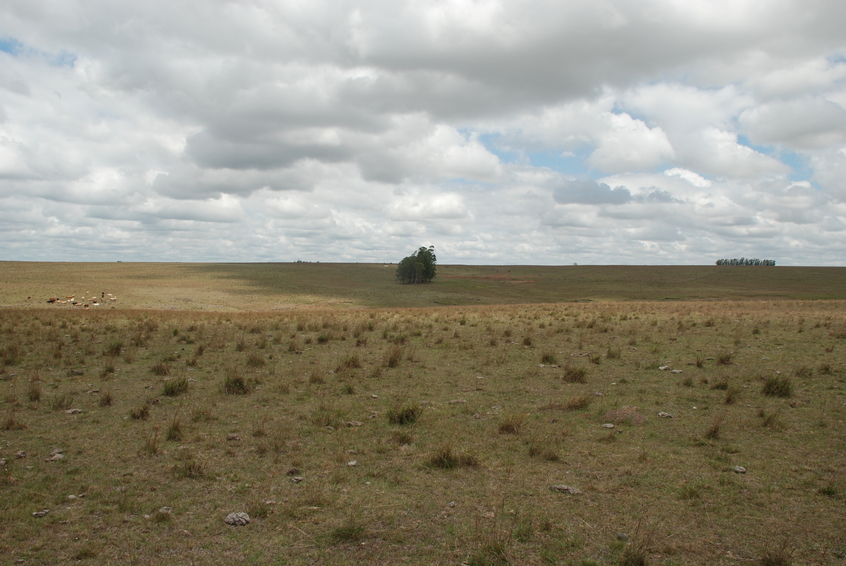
{"x":419,"y":267}
{"x":746,"y":261}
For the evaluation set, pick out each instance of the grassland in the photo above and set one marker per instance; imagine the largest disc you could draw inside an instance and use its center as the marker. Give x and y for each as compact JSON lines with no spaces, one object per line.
{"x":424,"y":435}
{"x":268,"y":287}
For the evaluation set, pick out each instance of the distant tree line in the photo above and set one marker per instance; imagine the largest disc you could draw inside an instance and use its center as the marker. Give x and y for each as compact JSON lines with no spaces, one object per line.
{"x":419,"y":267}
{"x":746,"y":261}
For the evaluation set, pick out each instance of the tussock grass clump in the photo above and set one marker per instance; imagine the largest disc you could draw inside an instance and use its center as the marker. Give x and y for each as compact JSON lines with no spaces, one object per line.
{"x":351,"y":361}
{"x":114,"y":348}
{"x":141,"y":413}
{"x":578,"y":402}
{"x":782,"y":555}
{"x":721,"y":383}
{"x":511,"y":424}
{"x":777,"y":386}
{"x":402,"y":438}
{"x":732,"y":393}
{"x":151,"y":443}
{"x":542,"y":448}
{"x":351,"y":531}
{"x":255,"y":360}
{"x":404,"y":415}
{"x":713,"y":431}
{"x":174,"y":387}
{"x":613,"y":353}
{"x":394,"y":356}
{"x":12,"y":423}
{"x":549,"y":358}
{"x":326,"y":415}
{"x":106,"y":399}
{"x":575,"y":374}
{"x":61,"y":402}
{"x":724,"y":358}
{"x":190,"y":469}
{"x":33,"y":392}
{"x":160,"y":369}
{"x":445,"y":458}
{"x":234,"y":384}
{"x":174,"y":431}
{"x":804,"y":372}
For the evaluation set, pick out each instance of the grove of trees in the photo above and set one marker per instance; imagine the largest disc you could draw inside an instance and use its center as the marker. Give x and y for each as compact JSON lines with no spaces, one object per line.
{"x":746,"y":261}
{"x":419,"y":267}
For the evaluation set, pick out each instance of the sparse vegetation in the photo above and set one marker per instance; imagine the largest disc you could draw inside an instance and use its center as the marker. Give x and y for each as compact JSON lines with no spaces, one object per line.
{"x":778,"y":386}
{"x":445,"y":454}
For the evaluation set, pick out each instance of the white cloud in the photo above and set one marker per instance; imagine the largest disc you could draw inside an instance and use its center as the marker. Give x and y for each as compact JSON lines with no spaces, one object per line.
{"x":660,"y":131}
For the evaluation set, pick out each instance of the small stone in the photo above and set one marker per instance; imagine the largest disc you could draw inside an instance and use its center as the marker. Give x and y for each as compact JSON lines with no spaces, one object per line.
{"x":622,"y":536}
{"x":56,"y":451}
{"x":565,"y":489}
{"x":664,"y":415}
{"x":39,"y":514}
{"x":233,"y":437}
{"x":374,"y":396}
{"x":71,"y":496}
{"x":477,"y":416}
{"x":73,"y":411}
{"x":676,"y":371}
{"x":663,"y":368}
{"x":56,"y":457}
{"x":739,"y":470}
{"x":20,"y":454}
{"x":451,"y":504}
{"x":2,"y":461}
{"x":608,"y":425}
{"x":352,"y":463}
{"x":353,"y":423}
{"x":297,"y":479}
{"x":237,"y":519}
{"x":165,"y":510}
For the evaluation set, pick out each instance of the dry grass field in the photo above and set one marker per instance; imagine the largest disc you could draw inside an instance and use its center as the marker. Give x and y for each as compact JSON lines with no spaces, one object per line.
{"x":429,"y":435}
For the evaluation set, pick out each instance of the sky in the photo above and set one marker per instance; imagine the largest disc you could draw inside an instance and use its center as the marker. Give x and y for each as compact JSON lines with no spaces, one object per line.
{"x":552,"y":132}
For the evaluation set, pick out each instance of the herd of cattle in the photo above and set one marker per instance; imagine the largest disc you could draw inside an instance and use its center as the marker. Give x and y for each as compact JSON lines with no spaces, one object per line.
{"x":92,"y":301}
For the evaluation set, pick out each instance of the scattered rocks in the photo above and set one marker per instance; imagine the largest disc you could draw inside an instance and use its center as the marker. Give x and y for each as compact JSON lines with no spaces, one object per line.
{"x":55,"y":455}
{"x":237,"y":519}
{"x":739,"y":470}
{"x":561,"y":488}
{"x":664,"y":415}
{"x":42,"y":513}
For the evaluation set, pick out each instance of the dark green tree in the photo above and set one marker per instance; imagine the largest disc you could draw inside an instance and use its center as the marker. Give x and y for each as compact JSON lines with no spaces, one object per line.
{"x":419,"y":267}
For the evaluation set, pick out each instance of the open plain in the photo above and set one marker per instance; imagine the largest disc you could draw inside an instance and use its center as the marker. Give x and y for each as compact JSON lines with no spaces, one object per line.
{"x":572,"y":415}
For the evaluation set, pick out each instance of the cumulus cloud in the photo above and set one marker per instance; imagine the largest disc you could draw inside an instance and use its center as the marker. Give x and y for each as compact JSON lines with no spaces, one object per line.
{"x":535,"y":132}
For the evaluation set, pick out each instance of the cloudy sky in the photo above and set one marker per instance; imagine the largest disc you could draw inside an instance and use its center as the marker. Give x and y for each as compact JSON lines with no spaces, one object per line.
{"x":501,"y":131}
